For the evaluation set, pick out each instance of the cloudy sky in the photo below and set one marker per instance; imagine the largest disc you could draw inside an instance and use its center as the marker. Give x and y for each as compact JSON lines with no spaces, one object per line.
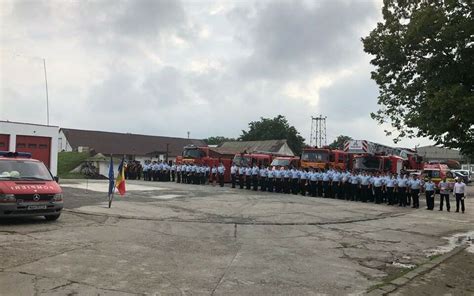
{"x":165,"y":67}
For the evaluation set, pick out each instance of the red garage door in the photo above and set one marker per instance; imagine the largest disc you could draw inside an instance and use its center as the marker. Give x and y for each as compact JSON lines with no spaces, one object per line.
{"x":4,"y":142}
{"x":39,"y":147}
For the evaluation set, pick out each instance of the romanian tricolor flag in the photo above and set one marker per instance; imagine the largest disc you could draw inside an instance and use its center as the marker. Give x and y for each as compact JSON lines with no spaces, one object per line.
{"x":120,"y":181}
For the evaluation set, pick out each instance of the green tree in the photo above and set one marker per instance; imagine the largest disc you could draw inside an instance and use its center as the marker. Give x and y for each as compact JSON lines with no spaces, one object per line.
{"x":424,"y":67}
{"x":218,"y":140}
{"x":338,"y":143}
{"x":276,"y":128}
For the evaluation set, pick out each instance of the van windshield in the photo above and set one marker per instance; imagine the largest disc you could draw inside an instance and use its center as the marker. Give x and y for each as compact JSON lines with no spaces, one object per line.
{"x":432,"y":173}
{"x":24,"y":170}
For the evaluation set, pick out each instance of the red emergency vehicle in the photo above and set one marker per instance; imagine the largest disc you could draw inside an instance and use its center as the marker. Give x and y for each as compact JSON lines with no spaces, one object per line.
{"x":249,"y":159}
{"x":286,"y":161}
{"x":205,"y":156}
{"x":27,"y":187}
{"x":324,"y":158}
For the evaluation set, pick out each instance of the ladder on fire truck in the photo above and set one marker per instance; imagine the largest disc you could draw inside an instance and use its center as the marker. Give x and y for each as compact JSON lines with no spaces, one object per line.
{"x":368,"y":147}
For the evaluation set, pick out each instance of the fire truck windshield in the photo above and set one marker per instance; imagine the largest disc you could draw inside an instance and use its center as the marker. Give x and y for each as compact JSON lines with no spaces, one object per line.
{"x":280,"y":162}
{"x":241,"y":160}
{"x":24,"y":170}
{"x":367,"y":163}
{"x":193,"y":153}
{"x":315,"y":156}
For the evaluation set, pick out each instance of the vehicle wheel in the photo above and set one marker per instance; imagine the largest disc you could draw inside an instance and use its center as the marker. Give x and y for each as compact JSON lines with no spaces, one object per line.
{"x":52,"y":217}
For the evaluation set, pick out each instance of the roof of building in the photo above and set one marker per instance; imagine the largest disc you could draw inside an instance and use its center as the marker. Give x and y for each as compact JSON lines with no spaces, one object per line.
{"x":268,"y":146}
{"x":127,"y":143}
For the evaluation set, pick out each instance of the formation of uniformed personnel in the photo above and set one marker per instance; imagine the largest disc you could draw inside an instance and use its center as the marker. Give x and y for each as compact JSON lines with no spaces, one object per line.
{"x":157,"y":171}
{"x":133,"y":170}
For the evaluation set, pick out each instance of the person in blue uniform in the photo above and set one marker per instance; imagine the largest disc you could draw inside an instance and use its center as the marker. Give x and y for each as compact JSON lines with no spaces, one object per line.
{"x":429,"y":188}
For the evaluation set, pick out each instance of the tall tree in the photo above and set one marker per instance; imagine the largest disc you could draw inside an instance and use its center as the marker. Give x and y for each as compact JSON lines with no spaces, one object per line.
{"x":424,"y":61}
{"x":276,"y":128}
{"x":218,"y":140}
{"x":338,"y":143}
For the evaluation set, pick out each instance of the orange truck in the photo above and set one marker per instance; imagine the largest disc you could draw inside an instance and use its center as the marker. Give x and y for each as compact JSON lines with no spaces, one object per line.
{"x":324,"y":158}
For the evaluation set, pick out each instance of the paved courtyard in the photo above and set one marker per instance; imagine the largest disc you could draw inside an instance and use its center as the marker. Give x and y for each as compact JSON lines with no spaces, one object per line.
{"x":175,"y":239}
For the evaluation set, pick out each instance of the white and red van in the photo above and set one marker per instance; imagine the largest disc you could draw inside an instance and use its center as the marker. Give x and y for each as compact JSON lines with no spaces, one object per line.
{"x":27,"y":188}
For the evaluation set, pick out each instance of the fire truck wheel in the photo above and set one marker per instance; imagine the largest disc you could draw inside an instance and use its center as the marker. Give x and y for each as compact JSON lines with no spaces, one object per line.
{"x":52,"y":217}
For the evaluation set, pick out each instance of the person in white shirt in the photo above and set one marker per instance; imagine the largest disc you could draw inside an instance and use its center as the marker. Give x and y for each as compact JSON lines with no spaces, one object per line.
{"x":459,"y":191}
{"x":233,"y":173}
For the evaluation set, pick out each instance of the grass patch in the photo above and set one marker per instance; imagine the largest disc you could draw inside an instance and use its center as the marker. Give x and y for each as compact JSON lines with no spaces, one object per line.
{"x":68,"y":161}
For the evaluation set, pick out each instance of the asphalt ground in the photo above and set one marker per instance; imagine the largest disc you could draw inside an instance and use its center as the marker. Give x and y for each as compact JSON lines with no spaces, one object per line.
{"x":176,"y":239}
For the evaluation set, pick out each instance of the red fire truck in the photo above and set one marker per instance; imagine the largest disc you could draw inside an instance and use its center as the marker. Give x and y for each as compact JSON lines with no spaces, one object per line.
{"x":286,"y":161}
{"x":249,"y":159}
{"x":368,"y":155}
{"x":205,"y":156}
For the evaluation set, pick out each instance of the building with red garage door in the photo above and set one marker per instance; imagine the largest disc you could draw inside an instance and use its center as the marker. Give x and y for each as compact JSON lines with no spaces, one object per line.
{"x":39,"y":140}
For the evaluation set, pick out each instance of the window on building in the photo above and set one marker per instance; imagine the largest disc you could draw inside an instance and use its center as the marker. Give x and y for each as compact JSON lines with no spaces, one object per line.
{"x":20,"y":145}
{"x":32,"y":146}
{"x":43,"y":146}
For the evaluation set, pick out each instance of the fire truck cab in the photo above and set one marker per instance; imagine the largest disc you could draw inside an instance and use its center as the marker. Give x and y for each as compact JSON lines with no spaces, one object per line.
{"x":286,"y":161}
{"x":324,"y":158}
{"x":249,"y":159}
{"x":202,"y":156}
{"x":27,"y":188}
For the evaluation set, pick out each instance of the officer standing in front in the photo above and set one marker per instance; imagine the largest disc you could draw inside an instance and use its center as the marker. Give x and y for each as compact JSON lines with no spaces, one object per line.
{"x":429,"y":188}
{"x":233,"y":173}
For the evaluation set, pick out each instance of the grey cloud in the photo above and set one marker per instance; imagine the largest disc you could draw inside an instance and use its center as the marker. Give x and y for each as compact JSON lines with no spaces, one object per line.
{"x":350,"y":98}
{"x":291,"y":39}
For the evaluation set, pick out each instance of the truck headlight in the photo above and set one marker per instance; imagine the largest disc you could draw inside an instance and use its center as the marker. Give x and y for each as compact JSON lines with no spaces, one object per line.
{"x":7,"y":198}
{"x":58,"y":197}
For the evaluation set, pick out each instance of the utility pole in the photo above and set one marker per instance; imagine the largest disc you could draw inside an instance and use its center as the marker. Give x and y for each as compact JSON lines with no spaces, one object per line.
{"x":189,"y":134}
{"x":47,"y":96}
{"x":318,"y":131}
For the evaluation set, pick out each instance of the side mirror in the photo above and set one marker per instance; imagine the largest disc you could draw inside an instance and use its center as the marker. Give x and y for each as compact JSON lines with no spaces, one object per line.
{"x":56,"y":178}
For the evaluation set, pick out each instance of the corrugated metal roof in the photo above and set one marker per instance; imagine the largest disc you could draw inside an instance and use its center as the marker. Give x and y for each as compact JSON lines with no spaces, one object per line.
{"x":126,"y":143}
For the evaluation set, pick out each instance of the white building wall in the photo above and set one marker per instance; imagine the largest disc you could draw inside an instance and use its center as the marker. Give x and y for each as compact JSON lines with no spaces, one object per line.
{"x":26,"y":129}
{"x":63,"y":144}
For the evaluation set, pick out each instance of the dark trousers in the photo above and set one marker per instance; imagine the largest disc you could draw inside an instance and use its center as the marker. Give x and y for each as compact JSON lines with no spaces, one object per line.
{"x":441,"y":201}
{"x":248,"y":182}
{"x":221,"y":179}
{"x":178,"y":177}
{"x":402,"y":196}
{"x":390,"y":196}
{"x":232,"y":176}
{"x":241,"y":181}
{"x":415,"y":195}
{"x":364,"y":191}
{"x":173,"y":176}
{"x":286,"y":185}
{"x":294,"y":186}
{"x":326,"y":189}
{"x":263,"y":183}
{"x":270,"y":184}
{"x":335,"y":189}
{"x":303,"y":187}
{"x":378,"y":194}
{"x":313,"y":188}
{"x":460,"y":200}
{"x":430,"y":202}
{"x":278,"y":185}
{"x":354,"y":192}
{"x":255,"y":182}
{"x":320,"y":188}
